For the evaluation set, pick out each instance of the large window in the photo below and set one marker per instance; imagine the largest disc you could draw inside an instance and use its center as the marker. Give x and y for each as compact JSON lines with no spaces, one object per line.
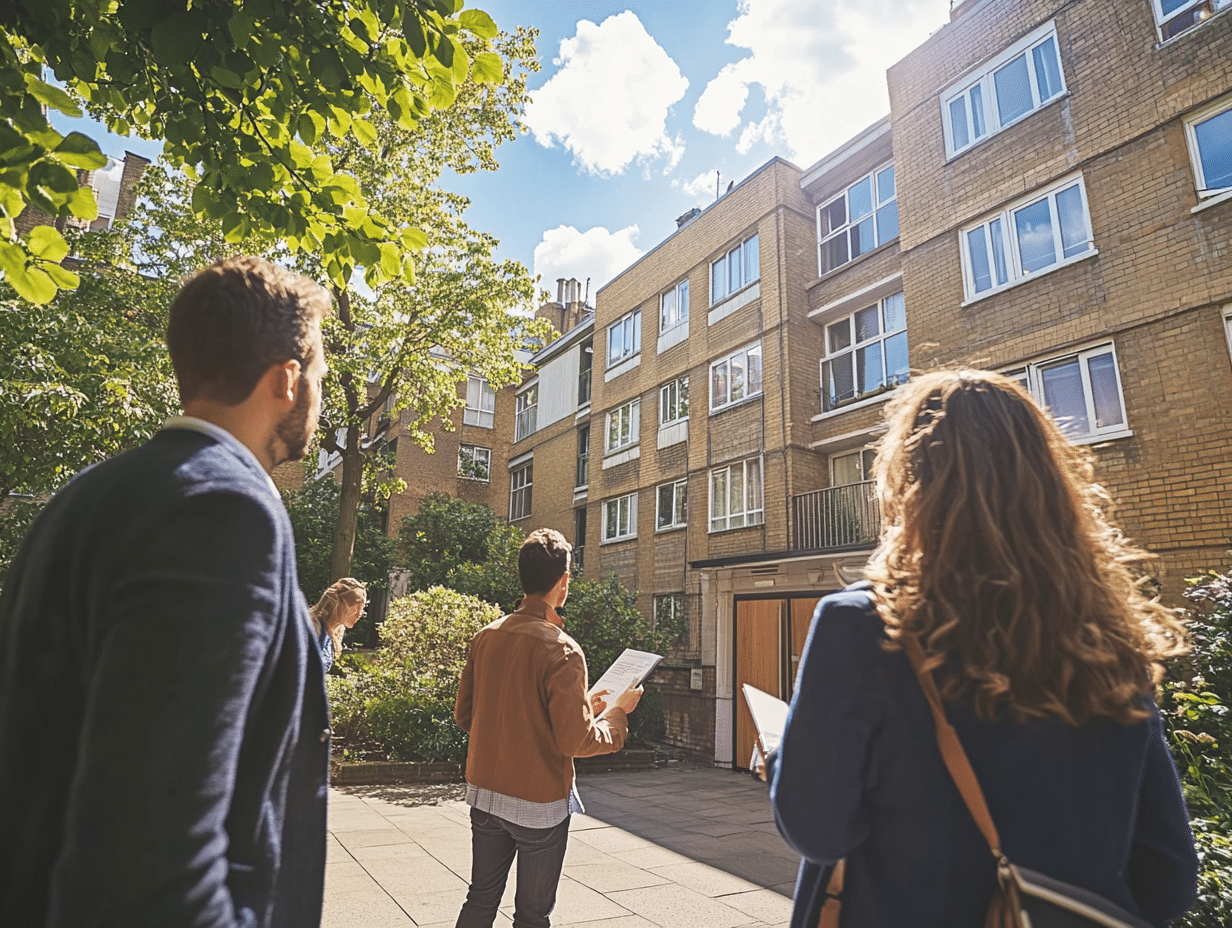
{"x":672,"y":505}
{"x":674,"y":306}
{"x":1210,"y":148}
{"x":480,"y":403}
{"x":1017,"y":82}
{"x":1176,"y":16}
{"x":866,"y":353}
{"x":735,"y":270}
{"x":735,"y":496}
{"x":852,"y":467}
{"x":527,"y":420}
{"x":624,"y":338}
{"x":474,"y":463}
{"x":1031,"y":236}
{"x":735,"y":377}
{"x":623,"y":423}
{"x":519,"y":491}
{"x":620,"y":518}
{"x":583,"y":457}
{"x":859,"y":219}
{"x":674,"y":402}
{"x":1081,"y":391}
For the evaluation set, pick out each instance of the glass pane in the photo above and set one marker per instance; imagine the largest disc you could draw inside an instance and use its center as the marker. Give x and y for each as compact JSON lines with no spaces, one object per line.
{"x":998,"y":249}
{"x":867,"y":459}
{"x":752,"y":261}
{"x":626,"y":426}
{"x":840,"y":384}
{"x":613,"y":430}
{"x":977,"y":248}
{"x":737,"y":377}
{"x":718,"y":493}
{"x":1064,"y":399}
{"x":682,"y":409}
{"x":754,"y":371}
{"x":887,"y":223}
{"x":752,"y":496}
{"x":735,"y":490}
{"x":896,"y":363}
{"x":958,"y":123}
{"x":838,"y":335}
{"x":718,"y":384}
{"x":1019,"y":377}
{"x":1102,"y":371}
{"x":718,"y":281}
{"x":1171,"y":6}
{"x":1215,"y":150}
{"x":612,"y":514}
{"x":627,"y":336}
{"x":1047,"y":70}
{"x":885,"y":185}
{"x":473,"y":392}
{"x":735,"y":275}
{"x":1013,"y":86}
{"x":1073,"y":223}
{"x":682,"y":502}
{"x":834,"y":253}
{"x":683,"y":301}
{"x":977,"y":111}
{"x":862,"y":237}
{"x":868,"y":368}
{"x":833,"y":216}
{"x":667,"y":309}
{"x":637,"y":332}
{"x":665,"y":404}
{"x":860,"y":198}
{"x":867,"y":323}
{"x":847,"y":469}
{"x":895,"y":312}
{"x":1035,"y":244}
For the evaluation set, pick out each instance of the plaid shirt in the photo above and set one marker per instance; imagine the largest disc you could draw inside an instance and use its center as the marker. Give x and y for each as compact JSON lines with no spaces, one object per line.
{"x":522,"y":811}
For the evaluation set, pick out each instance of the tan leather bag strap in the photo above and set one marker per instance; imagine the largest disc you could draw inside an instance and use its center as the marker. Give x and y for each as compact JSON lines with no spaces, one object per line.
{"x":832,"y":905}
{"x":952,"y":750}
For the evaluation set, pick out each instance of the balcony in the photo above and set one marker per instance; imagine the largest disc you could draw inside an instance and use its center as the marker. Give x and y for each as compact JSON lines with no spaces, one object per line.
{"x":526,"y":423}
{"x":837,"y":517}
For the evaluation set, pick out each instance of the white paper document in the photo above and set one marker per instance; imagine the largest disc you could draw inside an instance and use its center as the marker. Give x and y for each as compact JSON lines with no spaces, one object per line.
{"x":628,"y":671}
{"x":769,"y":716}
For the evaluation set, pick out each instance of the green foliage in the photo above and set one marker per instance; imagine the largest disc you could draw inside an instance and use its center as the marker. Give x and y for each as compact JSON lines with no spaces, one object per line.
{"x":427,"y":636}
{"x":417,"y":726}
{"x":16,"y":517}
{"x":494,"y":578}
{"x":442,"y":534}
{"x":350,"y":696}
{"x":254,"y":99}
{"x":1196,"y":705}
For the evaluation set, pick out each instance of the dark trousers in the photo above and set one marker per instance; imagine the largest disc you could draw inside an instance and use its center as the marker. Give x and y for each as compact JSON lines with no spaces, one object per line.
{"x":540,"y":853}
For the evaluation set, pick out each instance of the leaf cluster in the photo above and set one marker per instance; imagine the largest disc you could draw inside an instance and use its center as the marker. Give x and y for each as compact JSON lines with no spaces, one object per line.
{"x":427,"y":635}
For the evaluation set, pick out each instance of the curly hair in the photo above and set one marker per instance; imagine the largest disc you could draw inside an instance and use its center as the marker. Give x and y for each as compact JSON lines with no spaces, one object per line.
{"x":325,"y":614}
{"x":998,"y":554}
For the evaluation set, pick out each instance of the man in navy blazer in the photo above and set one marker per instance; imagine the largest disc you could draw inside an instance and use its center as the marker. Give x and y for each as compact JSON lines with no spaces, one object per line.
{"x":164,"y":735}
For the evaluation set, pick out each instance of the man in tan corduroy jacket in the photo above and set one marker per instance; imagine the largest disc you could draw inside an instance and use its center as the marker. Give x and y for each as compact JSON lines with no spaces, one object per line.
{"x":523,"y":700}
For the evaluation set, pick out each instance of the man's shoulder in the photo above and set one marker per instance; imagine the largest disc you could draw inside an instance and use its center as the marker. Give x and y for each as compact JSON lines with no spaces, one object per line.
{"x":545,"y":636}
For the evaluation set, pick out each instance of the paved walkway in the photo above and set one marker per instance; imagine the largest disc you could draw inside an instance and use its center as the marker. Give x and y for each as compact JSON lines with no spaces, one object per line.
{"x":680,"y":847}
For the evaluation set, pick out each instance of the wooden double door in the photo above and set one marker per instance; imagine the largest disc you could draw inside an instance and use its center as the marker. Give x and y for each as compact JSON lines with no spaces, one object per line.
{"x":770,"y":636}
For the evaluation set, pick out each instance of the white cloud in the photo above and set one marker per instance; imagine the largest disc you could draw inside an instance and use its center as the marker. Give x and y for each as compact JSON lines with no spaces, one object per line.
{"x":596,"y":254}
{"x":703,"y":185}
{"x":821,"y":67}
{"x":609,"y":101}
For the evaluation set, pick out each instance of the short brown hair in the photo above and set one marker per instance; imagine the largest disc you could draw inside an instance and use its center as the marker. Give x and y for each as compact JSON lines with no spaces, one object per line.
{"x":232,"y":321}
{"x":542,"y":560}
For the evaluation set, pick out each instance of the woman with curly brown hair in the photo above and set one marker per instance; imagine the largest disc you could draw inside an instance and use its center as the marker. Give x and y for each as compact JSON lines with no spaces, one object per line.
{"x":998,"y":560}
{"x":338,"y":609}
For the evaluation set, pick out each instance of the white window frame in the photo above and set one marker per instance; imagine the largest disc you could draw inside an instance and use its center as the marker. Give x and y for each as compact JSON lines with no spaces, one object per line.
{"x":521,"y":493}
{"x":674,"y":402}
{"x":526,"y":420}
{"x":1207,"y":196}
{"x":881,"y":201}
{"x":1227,"y":326}
{"x":727,"y":278}
{"x":1000,"y":227}
{"x":471,"y":453}
{"x":1198,"y":12}
{"x":1031,"y":376}
{"x":984,"y":81}
{"x":484,"y":415}
{"x":854,"y":349}
{"x":624,"y":338}
{"x":866,"y":454}
{"x":727,"y":519}
{"x":628,"y":421}
{"x":678,"y":507}
{"x":625,"y":508}
{"x":674,"y":612}
{"x":747,"y":353}
{"x":674,"y":306}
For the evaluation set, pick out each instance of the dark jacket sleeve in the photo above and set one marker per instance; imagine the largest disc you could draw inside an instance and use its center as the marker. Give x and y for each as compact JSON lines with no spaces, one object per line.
{"x":175,"y":655}
{"x":818,"y":782}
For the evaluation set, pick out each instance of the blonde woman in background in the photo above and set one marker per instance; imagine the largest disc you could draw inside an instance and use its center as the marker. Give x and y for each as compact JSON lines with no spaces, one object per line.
{"x":338,"y":609}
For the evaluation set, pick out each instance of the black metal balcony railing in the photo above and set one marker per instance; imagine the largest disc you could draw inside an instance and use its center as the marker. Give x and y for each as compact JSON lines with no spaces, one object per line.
{"x":584,"y":387}
{"x":837,"y":517}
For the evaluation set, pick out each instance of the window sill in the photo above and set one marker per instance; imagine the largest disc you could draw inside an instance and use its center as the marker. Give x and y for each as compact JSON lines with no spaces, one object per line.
{"x":734,"y":301}
{"x":670,"y":528}
{"x":1077,"y":259}
{"x":715,"y":410}
{"x":880,"y":397}
{"x":1213,"y":201}
{"x":735,"y":528}
{"x":484,"y":481}
{"x":521,"y":518}
{"x":1009,"y":125}
{"x":616,"y":541}
{"x":622,"y":456}
{"x":582,"y":411}
{"x":1102,"y":437}
{"x":621,"y":367}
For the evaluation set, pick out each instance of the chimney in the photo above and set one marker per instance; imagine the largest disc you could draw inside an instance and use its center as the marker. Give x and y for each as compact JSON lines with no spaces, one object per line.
{"x":560,"y":290}
{"x":682,"y":221}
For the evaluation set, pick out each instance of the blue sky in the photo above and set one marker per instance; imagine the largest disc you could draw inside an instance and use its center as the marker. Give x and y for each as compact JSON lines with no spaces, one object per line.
{"x":638,"y":104}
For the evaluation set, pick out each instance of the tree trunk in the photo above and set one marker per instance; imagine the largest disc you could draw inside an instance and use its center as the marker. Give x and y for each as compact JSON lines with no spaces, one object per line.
{"x":348,"y":506}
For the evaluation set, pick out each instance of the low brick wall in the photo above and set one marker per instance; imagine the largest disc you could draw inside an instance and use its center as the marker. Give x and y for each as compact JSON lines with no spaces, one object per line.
{"x":687,"y":714}
{"x":382,"y":773}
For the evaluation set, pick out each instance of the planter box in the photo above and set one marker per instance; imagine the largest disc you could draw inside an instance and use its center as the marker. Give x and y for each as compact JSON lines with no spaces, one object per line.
{"x":382,"y":773}
{"x":623,"y":760}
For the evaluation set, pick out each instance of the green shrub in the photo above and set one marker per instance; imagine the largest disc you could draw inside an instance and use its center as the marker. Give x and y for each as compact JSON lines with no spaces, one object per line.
{"x":416,"y":726}
{"x":426,"y":637}
{"x":350,"y":696}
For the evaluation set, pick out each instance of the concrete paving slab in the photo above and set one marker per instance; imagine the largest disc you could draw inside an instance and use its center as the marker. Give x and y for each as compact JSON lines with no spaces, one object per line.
{"x":375,"y":910}
{"x":672,"y":906}
{"x":612,"y":876}
{"x":372,"y":837}
{"x":611,"y":839}
{"x":707,"y":880}
{"x":763,"y":904}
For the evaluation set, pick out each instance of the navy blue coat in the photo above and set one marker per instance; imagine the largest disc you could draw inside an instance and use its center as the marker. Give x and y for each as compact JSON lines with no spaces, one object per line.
{"x":859,"y":775}
{"x":163,"y":724}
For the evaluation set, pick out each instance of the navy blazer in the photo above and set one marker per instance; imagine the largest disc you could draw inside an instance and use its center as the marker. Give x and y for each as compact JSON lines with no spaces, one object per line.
{"x":859,"y":775}
{"x":163,"y":724}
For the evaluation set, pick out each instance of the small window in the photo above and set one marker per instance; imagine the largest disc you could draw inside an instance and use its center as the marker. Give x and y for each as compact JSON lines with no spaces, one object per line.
{"x":859,"y":219}
{"x":624,"y":338}
{"x":669,"y":611}
{"x":1048,"y":230}
{"x":736,"y":496}
{"x":674,"y":306}
{"x":735,"y":270}
{"x":735,"y":377}
{"x":519,"y":491}
{"x":1210,"y":148}
{"x":1176,"y":16}
{"x":620,"y":518}
{"x":671,"y":509}
{"x":474,"y":463}
{"x":674,"y":402}
{"x":1002,"y":91}
{"x":480,"y":403}
{"x":527,"y":420}
{"x":852,"y":467}
{"x":623,"y":423}
{"x":583,"y":457}
{"x":1081,"y":391}
{"x":866,"y":353}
